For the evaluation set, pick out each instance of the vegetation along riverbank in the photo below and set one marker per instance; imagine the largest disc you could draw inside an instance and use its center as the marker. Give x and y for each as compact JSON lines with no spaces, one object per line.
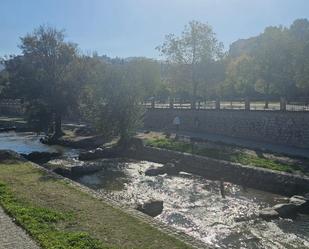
{"x":56,"y":214}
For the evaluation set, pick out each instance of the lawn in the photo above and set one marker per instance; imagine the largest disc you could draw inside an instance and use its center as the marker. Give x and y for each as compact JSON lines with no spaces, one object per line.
{"x":228,"y":155}
{"x":58,"y":215}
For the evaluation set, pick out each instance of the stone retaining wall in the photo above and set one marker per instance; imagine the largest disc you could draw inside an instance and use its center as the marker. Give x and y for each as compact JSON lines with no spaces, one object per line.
{"x":190,"y":241}
{"x":253,"y":177}
{"x":286,"y":128}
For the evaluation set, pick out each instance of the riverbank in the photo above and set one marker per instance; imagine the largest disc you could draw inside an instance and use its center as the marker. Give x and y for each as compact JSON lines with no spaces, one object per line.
{"x":231,"y":153}
{"x":56,"y":213}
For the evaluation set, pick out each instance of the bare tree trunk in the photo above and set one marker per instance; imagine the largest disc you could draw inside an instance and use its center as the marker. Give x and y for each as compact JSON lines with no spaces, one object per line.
{"x":266,"y":103}
{"x":57,"y":123}
{"x":193,"y":101}
{"x":267,"y":96}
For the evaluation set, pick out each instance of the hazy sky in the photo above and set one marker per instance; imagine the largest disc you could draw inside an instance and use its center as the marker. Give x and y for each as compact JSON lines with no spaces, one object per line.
{"x":135,"y":27}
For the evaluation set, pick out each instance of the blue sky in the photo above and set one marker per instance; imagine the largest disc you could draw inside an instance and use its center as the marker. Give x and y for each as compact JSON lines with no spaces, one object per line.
{"x":135,"y":27}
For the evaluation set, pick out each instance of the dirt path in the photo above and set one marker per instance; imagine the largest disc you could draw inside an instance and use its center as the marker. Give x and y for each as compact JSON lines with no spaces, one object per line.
{"x":13,"y":236}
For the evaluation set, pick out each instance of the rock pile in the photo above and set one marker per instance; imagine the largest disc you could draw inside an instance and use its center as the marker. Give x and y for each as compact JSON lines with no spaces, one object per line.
{"x":297,"y":204}
{"x":152,"y":207}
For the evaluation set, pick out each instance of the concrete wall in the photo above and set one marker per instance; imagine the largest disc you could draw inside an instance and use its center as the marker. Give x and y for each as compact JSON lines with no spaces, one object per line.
{"x":287,"y":128}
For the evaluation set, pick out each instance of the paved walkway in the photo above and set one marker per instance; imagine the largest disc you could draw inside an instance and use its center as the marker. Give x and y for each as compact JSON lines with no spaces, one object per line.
{"x":250,"y":144}
{"x":13,"y":236}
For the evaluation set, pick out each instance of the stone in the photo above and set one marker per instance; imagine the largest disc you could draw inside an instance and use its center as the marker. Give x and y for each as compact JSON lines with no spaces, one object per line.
{"x":10,"y":155}
{"x":99,"y":153}
{"x":268,"y":214}
{"x":168,"y":168}
{"x":84,"y":131}
{"x":298,"y":200}
{"x":301,"y":202}
{"x":286,"y":210}
{"x":41,"y":157}
{"x":171,"y":169}
{"x":155,"y":171}
{"x":152,"y":208}
{"x":85,"y":169}
{"x":66,"y":172}
{"x":6,"y":129}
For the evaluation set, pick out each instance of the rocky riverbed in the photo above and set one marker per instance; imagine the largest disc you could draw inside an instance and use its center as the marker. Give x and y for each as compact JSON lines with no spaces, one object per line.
{"x":191,"y":203}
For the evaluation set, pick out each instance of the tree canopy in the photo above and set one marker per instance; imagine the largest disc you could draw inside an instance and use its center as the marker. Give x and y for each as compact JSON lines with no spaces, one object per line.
{"x":53,"y":78}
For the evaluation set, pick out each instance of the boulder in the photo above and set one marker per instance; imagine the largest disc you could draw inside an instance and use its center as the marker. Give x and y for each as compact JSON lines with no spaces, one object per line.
{"x":99,"y":153}
{"x":168,"y":168}
{"x":286,"y":210}
{"x":84,"y":131}
{"x":268,"y":214}
{"x":297,"y":204}
{"x":301,"y":202}
{"x":171,"y":169}
{"x":155,"y":171}
{"x":10,"y":155}
{"x":6,"y":129}
{"x":78,"y":143}
{"x":41,"y":157}
{"x":66,"y":172}
{"x":85,"y":169}
{"x":152,"y":208}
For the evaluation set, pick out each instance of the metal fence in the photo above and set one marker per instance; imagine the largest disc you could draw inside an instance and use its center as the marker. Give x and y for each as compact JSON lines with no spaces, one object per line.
{"x":240,"y":104}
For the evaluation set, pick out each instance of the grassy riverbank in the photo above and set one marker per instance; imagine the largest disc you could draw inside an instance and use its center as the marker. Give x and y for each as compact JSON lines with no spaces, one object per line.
{"x":59,"y":215}
{"x":233,"y":155}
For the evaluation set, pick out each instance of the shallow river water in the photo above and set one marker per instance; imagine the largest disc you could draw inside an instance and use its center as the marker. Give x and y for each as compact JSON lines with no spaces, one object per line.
{"x":192,"y":204}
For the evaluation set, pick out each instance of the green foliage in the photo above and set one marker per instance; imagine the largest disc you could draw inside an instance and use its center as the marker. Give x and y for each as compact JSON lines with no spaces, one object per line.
{"x":112,"y":102}
{"x":41,"y":224}
{"x":241,"y":75}
{"x":278,"y":63}
{"x":49,"y":73}
{"x":221,"y":154}
{"x":189,"y":55}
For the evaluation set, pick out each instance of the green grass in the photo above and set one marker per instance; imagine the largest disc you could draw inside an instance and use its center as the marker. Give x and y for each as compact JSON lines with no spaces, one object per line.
{"x":60,"y":216}
{"x":222,"y":154}
{"x":40,"y":223}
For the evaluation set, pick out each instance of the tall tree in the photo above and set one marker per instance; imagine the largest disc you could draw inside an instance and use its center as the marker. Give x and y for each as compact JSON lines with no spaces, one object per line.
{"x":197,"y":44}
{"x":47,"y":73}
{"x":112,"y":100}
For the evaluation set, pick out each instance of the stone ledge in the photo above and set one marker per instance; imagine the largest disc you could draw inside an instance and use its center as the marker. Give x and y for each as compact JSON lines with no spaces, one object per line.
{"x":250,"y":176}
{"x":191,"y":241}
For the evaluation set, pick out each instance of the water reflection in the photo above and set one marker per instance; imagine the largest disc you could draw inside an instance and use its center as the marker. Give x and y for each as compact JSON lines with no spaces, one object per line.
{"x":27,"y":142}
{"x":194,"y":205}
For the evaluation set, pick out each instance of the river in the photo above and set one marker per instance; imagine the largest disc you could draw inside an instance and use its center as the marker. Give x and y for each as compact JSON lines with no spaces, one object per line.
{"x":192,"y":204}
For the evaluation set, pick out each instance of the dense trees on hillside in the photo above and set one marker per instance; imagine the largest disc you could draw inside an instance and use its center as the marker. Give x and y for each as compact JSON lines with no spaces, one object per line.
{"x":278,"y":61}
{"x":52,"y":77}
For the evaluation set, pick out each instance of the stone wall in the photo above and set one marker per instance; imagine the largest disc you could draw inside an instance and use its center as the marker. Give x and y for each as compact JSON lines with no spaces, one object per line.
{"x":253,"y":177}
{"x":287,"y":128}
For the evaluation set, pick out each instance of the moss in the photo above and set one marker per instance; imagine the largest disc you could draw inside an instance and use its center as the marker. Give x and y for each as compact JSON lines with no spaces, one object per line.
{"x":223,"y":154}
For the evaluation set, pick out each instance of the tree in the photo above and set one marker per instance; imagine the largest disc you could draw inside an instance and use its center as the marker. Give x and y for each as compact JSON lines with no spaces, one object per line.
{"x":299,"y":31}
{"x":112,"y":101}
{"x":196,"y":44}
{"x":272,"y":54}
{"x":241,"y":73}
{"x":48,"y":73}
{"x":147,"y":75}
